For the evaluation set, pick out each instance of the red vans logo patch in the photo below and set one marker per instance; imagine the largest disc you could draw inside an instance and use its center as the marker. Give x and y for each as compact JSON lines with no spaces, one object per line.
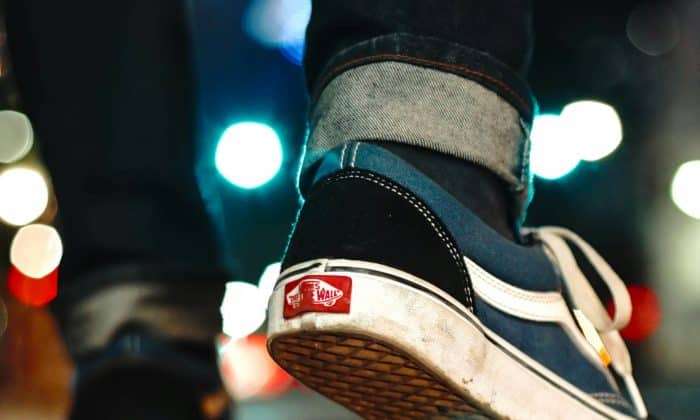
{"x":317,"y":293}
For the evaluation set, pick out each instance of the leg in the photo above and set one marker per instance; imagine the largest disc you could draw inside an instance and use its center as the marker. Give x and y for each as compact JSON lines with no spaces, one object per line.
{"x":109,"y":89}
{"x":486,"y":44}
{"x":398,"y":295}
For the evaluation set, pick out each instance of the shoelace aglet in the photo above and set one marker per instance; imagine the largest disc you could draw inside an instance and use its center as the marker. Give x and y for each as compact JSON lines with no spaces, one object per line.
{"x":591,"y":334}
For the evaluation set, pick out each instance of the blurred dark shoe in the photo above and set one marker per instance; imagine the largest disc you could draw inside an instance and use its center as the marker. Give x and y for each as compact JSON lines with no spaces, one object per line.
{"x":140,"y":376}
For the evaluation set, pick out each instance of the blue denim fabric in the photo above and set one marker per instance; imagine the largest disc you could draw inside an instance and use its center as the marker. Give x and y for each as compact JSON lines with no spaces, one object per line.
{"x":438,"y":54}
{"x":523,"y":266}
{"x":427,"y":109}
{"x":489,"y":41}
{"x":358,"y":65}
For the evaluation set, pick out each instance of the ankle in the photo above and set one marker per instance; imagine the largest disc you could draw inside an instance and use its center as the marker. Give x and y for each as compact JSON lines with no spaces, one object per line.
{"x":481,"y":191}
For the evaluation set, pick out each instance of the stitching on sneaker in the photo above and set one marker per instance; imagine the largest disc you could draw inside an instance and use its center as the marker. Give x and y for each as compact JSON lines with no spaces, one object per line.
{"x":426,"y":213}
{"x":610,"y":398}
{"x":342,"y":155}
{"x":354,"y":155}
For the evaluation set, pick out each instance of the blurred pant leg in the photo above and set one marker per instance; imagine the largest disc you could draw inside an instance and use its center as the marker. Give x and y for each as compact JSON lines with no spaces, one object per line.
{"x":501,"y":29}
{"x":108,"y":87}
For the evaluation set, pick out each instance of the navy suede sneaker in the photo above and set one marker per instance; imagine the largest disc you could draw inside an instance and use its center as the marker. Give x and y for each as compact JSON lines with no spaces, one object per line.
{"x":397,"y":302}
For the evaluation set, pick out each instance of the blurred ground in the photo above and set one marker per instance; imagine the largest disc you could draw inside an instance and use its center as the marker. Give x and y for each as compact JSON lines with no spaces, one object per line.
{"x":35,"y":370}
{"x":35,"y":377}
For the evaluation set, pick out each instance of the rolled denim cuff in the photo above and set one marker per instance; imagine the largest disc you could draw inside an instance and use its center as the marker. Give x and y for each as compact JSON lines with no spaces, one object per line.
{"x":434,"y":53}
{"x":175,"y":303}
{"x":430,"y":93}
{"x":425,"y":107}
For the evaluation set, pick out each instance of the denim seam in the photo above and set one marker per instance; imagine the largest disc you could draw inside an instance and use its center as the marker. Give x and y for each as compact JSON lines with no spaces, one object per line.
{"x":525,"y":158}
{"x":425,"y":212}
{"x":417,"y":60}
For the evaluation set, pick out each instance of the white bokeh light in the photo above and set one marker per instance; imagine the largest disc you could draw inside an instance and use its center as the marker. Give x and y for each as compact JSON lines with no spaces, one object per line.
{"x":16,"y":136}
{"x":279,"y":23}
{"x":23,"y":196}
{"x":249,"y":154}
{"x":552,"y":153}
{"x":36,"y":250}
{"x":250,"y":367}
{"x":243,"y":309}
{"x":594,"y":127}
{"x":268,"y":279}
{"x":654,"y":28}
{"x":685,"y":188}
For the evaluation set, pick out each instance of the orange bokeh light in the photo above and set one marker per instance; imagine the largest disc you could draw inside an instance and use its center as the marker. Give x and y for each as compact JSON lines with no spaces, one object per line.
{"x":32,"y":291}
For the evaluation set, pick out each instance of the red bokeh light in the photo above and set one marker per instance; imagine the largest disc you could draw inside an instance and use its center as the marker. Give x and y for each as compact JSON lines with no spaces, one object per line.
{"x":279,"y":380}
{"x":32,"y":291}
{"x":248,"y":371}
{"x":646,"y":313}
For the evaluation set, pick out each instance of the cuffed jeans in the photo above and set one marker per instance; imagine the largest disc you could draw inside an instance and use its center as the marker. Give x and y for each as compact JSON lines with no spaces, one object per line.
{"x":109,"y":89}
{"x":447,"y":76}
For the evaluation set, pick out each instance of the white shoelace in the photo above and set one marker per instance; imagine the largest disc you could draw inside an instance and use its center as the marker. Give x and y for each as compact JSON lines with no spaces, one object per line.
{"x":585,"y":299}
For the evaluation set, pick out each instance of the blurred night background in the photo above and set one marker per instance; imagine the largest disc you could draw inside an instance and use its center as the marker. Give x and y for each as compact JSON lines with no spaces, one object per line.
{"x":636,"y":200}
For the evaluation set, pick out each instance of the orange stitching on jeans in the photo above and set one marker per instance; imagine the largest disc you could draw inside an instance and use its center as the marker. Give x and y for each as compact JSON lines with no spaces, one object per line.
{"x":426,"y":61}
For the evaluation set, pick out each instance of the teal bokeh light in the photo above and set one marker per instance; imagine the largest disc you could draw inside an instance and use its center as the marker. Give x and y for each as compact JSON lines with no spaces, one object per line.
{"x":249,"y":154}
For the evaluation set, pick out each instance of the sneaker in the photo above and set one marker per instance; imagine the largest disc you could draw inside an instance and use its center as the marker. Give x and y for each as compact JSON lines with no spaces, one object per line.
{"x":140,"y":375}
{"x":397,"y":302}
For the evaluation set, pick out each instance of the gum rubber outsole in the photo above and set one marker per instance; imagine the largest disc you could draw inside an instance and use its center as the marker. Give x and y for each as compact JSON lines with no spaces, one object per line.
{"x":373,"y":379}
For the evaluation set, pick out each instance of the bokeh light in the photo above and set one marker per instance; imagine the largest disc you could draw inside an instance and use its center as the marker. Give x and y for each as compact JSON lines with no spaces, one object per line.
{"x":35,"y":254}
{"x":294,"y":30}
{"x":653,"y":28}
{"x":646,"y":313}
{"x":552,"y":154}
{"x":594,"y":127}
{"x":32,"y":291}
{"x":16,"y":136}
{"x":23,"y":196}
{"x":249,"y":154}
{"x":685,"y":188}
{"x":243,"y":309}
{"x":267,"y":281}
{"x":279,"y":24}
{"x":293,"y":52}
{"x":247,"y":370}
{"x":36,"y":250}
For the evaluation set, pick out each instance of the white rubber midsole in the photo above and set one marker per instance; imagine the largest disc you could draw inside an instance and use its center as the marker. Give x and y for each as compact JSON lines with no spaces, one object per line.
{"x":442,"y":335}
